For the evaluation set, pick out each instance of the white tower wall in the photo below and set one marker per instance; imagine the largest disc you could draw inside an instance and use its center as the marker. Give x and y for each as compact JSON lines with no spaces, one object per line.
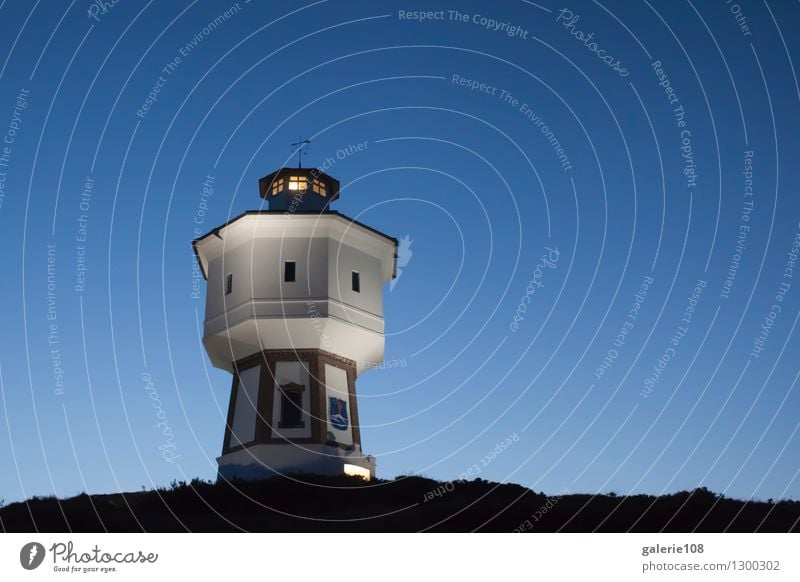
{"x":319,"y":310}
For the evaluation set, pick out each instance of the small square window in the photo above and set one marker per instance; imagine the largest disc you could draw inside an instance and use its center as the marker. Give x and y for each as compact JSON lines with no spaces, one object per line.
{"x":356,"y":282}
{"x":289,"y":271}
{"x":228,"y":284}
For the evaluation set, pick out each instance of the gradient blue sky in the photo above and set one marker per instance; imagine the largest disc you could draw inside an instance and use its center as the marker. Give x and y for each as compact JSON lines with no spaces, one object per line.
{"x":476,"y":186}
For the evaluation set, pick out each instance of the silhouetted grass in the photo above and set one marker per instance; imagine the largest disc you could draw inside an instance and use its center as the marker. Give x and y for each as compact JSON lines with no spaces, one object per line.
{"x":407,"y":504}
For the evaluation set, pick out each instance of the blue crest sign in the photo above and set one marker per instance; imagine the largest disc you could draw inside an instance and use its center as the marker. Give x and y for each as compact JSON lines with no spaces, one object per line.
{"x":338,"y":413}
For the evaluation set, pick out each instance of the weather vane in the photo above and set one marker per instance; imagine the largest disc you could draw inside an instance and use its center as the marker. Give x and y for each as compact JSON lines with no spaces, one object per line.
{"x":300,"y":145}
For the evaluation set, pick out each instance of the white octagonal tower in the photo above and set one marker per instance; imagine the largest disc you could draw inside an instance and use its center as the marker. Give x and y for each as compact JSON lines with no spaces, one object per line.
{"x":294,"y":311}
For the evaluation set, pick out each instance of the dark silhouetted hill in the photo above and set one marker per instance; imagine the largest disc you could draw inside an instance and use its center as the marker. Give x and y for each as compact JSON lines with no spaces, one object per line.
{"x":406,"y":504}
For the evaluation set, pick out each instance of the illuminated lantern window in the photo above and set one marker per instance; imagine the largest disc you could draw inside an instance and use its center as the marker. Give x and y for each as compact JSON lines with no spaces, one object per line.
{"x":297,"y":183}
{"x":277,"y":186}
{"x":319,"y":187}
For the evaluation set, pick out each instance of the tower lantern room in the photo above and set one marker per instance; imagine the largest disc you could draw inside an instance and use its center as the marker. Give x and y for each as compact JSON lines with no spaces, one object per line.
{"x":294,"y":311}
{"x":300,"y":189}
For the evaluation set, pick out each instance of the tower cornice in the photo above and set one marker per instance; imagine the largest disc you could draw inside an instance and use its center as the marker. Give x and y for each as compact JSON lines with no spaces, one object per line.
{"x":218,"y":233}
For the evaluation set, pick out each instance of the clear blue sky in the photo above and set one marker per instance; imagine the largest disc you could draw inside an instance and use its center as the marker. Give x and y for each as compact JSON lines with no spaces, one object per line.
{"x":472,"y":174}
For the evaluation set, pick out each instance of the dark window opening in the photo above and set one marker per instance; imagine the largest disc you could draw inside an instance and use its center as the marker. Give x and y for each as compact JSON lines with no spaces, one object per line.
{"x":228,"y":284}
{"x":291,"y":406}
{"x":289,"y":271}
{"x":356,"y":282}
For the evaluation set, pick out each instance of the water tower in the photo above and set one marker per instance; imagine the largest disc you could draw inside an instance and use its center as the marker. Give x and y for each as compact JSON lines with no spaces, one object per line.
{"x":294,"y":312}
